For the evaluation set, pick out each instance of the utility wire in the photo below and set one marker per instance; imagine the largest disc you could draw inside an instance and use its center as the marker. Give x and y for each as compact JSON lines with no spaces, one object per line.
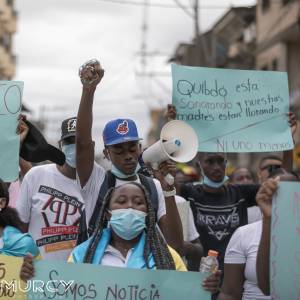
{"x":184,"y":8}
{"x":130,"y":2}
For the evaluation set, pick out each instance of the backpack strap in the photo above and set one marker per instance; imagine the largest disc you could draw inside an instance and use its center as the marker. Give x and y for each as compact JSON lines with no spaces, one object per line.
{"x":150,"y":186}
{"x":108,"y":182}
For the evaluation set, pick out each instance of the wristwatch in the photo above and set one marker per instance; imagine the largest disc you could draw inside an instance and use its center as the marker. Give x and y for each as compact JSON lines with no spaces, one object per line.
{"x":170,"y":193}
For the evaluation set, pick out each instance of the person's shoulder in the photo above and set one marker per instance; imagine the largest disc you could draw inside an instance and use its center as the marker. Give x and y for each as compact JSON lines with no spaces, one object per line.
{"x":79,"y":251}
{"x":249,"y":230}
{"x":179,"y":199}
{"x":38,"y":170}
{"x":242,"y":187}
{"x":98,"y":170}
{"x":191,"y":188}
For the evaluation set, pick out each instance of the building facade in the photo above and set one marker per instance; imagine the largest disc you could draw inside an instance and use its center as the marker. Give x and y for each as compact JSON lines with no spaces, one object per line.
{"x":262,"y":37}
{"x":278,"y":43}
{"x":8,"y":21}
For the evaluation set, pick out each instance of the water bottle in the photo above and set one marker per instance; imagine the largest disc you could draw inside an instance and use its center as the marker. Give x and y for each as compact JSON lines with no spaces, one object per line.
{"x":209,"y":264}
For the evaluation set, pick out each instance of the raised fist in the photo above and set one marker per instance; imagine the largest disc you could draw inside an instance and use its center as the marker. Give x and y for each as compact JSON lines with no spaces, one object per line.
{"x":91,"y":73}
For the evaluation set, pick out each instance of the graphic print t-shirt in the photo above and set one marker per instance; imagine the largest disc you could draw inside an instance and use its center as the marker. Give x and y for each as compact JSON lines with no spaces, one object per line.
{"x":218,"y":215}
{"x":52,"y":204}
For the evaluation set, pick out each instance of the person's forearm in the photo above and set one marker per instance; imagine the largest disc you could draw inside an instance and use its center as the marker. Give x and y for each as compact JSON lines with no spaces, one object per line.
{"x":84,"y":143}
{"x":263,"y":258}
{"x":224,"y":296}
{"x":85,"y":116}
{"x":193,"y":253}
{"x":287,"y":160}
{"x":172,"y":227}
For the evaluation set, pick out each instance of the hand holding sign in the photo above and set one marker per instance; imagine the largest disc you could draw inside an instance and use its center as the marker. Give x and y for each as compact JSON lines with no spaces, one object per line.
{"x":285,"y":242}
{"x":265,"y":195}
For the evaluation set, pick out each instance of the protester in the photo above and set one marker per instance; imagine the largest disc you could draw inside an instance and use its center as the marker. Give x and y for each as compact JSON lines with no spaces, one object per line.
{"x":50,"y":202}
{"x":272,"y":162}
{"x":267,"y":165}
{"x":240,"y":280}
{"x":122,"y":148}
{"x":220,"y":208}
{"x":244,"y":176}
{"x":12,"y":241}
{"x":131,"y":239}
{"x":241,"y":175}
{"x":264,"y":200}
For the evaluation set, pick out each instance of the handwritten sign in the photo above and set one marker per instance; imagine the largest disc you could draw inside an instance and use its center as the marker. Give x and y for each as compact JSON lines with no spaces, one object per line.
{"x":86,"y":281}
{"x":10,"y":108}
{"x":234,"y":110}
{"x":11,"y":287}
{"x":285,"y":243}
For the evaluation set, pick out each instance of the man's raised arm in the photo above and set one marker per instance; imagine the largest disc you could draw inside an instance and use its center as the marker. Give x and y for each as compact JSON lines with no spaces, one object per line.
{"x":90,"y":74}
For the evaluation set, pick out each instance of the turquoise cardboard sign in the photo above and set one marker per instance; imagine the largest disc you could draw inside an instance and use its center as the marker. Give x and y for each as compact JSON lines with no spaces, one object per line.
{"x":234,"y":110}
{"x":10,"y":108}
{"x":285,"y":243}
{"x":85,"y":281}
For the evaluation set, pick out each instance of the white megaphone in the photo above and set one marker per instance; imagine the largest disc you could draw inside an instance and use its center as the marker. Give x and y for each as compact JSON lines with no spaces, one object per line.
{"x":178,"y":142}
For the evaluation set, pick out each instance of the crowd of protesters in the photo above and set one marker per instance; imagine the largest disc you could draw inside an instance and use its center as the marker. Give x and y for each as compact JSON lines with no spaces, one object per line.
{"x":74,"y":210}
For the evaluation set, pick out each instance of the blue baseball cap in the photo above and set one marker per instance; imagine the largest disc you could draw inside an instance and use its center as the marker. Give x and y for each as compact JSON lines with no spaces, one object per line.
{"x":120,"y":131}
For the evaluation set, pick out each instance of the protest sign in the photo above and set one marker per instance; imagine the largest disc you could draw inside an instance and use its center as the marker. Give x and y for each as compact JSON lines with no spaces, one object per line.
{"x":285,"y":243}
{"x":234,"y":110}
{"x":86,"y":281}
{"x":11,"y":287}
{"x":10,"y":108}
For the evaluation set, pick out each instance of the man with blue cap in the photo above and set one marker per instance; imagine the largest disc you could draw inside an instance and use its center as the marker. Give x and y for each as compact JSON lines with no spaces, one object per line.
{"x":122,"y":148}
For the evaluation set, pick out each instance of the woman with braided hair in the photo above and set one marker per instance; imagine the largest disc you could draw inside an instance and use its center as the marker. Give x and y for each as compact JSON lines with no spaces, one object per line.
{"x":127,"y":236}
{"x":131,"y":230}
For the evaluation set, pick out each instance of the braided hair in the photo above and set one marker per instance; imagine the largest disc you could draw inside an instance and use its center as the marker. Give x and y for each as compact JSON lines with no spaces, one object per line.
{"x":8,"y":215}
{"x":154,"y":243}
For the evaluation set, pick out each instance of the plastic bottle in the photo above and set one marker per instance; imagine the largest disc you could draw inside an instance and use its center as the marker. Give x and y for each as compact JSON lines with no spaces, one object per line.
{"x":209,"y":264}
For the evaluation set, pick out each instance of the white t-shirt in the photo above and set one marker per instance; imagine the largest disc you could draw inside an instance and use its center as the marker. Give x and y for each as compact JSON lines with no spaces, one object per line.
{"x":191,"y":231}
{"x":52,"y":204}
{"x":254,"y":214}
{"x":1,"y":242}
{"x":91,"y":190}
{"x":242,"y":249}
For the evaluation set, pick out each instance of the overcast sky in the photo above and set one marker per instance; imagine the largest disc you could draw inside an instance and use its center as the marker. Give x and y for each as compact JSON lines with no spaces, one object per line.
{"x":56,"y":36}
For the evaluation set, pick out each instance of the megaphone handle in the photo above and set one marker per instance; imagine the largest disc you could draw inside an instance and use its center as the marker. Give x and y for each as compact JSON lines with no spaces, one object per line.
{"x":169,"y":179}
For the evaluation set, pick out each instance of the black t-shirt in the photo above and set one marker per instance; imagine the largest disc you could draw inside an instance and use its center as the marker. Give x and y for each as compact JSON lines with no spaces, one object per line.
{"x":218,"y":215}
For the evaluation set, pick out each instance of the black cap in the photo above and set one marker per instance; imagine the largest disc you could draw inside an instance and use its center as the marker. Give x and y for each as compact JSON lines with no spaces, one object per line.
{"x":68,"y":128}
{"x":36,"y":149}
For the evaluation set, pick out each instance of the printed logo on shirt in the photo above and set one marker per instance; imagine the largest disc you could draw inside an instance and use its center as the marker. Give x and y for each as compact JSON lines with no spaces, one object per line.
{"x":219,"y":221}
{"x":72,"y":125}
{"x":61,"y":215}
{"x":123,"y":128}
{"x":57,"y":242}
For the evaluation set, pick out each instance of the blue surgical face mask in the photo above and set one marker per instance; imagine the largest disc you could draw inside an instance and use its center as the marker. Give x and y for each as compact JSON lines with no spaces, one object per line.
{"x":70,"y":154}
{"x":127,"y":223}
{"x":121,"y":175}
{"x":212,"y":184}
